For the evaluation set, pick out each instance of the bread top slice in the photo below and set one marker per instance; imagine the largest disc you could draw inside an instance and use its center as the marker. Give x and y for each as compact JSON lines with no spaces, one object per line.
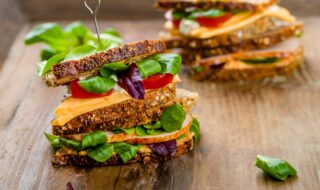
{"x":240,"y":24}
{"x":289,"y":55}
{"x":249,"y":5}
{"x":67,"y":71}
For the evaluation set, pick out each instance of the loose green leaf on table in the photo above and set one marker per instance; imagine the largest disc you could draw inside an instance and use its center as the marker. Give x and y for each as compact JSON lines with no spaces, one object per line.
{"x":101,"y":153}
{"x":97,"y":84}
{"x":126,"y":151}
{"x":172,"y":118}
{"x":54,"y":140}
{"x":93,"y":139}
{"x":275,"y":167}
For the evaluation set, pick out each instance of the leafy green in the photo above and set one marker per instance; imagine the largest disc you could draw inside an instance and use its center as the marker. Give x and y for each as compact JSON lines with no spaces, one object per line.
{"x":172,"y":118}
{"x":112,"y":32}
{"x":101,"y":153}
{"x":129,"y":131}
{"x":170,"y":62}
{"x":116,"y":66}
{"x":198,"y":69}
{"x":275,"y":167}
{"x":71,"y":143}
{"x":45,"y":66}
{"x":207,"y":13}
{"x":80,"y":52}
{"x":97,"y":84}
{"x":156,"y":125}
{"x":141,"y":131}
{"x":178,"y":15}
{"x":261,"y":60}
{"x":195,"y":128}
{"x":49,"y":33}
{"x":154,"y":131}
{"x":93,"y":139}
{"x":148,"y":67}
{"x":47,"y":53}
{"x":126,"y":151}
{"x":54,"y":140}
{"x":182,"y":136}
{"x":78,"y":29}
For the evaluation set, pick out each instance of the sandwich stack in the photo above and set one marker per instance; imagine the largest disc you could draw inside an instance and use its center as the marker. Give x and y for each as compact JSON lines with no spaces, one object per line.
{"x":123,"y":107}
{"x":233,"y":39}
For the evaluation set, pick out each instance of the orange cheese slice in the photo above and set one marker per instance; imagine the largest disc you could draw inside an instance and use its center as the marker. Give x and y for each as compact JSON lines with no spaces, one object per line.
{"x":73,"y":107}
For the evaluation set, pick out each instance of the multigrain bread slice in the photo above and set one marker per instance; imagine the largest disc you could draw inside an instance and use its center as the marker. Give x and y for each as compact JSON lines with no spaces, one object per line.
{"x":129,"y":113}
{"x":66,"y":71}
{"x":231,"y":67}
{"x":145,"y":155}
{"x":217,"y":4}
{"x":261,"y":34}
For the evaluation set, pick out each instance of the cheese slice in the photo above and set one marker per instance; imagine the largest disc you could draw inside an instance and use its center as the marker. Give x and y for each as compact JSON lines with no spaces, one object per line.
{"x":241,"y":20}
{"x":73,"y":107}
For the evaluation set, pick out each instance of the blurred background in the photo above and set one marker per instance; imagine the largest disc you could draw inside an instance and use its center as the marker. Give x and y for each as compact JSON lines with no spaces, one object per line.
{"x":13,"y":13}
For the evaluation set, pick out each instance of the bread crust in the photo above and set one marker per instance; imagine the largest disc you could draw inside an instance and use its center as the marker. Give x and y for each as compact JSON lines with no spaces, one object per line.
{"x":66,"y":71}
{"x":268,"y":34}
{"x":249,"y":72}
{"x":204,"y":4}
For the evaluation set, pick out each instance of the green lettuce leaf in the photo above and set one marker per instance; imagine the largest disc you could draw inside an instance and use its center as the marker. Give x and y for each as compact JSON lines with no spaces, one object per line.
{"x":148,"y":67}
{"x":126,"y":151}
{"x":101,"y":153}
{"x":45,"y":66}
{"x":71,"y":143}
{"x":170,"y":62}
{"x":93,"y":139}
{"x":54,"y":140}
{"x":172,"y":118}
{"x":195,"y":128}
{"x":97,"y":84}
{"x":275,"y":167}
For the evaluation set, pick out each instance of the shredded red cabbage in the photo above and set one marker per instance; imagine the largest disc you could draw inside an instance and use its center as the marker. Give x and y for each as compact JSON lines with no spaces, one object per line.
{"x":168,"y":148}
{"x":132,"y":82}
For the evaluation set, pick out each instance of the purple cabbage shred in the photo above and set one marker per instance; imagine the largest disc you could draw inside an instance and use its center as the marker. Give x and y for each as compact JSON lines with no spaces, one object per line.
{"x":168,"y":148}
{"x":132,"y":82}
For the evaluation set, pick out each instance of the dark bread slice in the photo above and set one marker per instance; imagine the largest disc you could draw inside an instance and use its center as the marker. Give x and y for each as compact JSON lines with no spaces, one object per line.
{"x":66,"y":71}
{"x":72,"y":158}
{"x":263,"y":33}
{"x":205,"y":4}
{"x":230,"y":67}
{"x":129,"y":113}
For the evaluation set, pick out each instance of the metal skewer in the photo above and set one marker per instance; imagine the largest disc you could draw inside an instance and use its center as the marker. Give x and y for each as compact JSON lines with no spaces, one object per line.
{"x":94,"y":13}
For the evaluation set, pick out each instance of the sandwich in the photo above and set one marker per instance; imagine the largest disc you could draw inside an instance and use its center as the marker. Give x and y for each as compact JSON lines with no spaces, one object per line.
{"x":122,"y":106}
{"x":206,"y":31}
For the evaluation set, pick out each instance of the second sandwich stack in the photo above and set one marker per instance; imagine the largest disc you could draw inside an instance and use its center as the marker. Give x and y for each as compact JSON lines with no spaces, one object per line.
{"x":233,"y":40}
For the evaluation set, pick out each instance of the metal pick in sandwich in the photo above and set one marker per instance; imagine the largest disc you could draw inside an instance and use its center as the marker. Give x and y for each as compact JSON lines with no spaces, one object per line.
{"x":94,"y":12}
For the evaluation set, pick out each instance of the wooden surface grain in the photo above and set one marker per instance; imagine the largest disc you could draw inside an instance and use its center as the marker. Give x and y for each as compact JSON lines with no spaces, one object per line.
{"x":276,"y":117}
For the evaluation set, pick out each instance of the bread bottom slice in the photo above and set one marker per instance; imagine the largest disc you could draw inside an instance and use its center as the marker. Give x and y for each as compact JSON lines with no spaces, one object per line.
{"x":230,"y":67}
{"x":144,"y":155}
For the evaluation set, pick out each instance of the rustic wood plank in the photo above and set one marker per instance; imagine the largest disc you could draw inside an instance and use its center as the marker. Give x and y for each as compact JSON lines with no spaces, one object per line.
{"x":277,"y":117}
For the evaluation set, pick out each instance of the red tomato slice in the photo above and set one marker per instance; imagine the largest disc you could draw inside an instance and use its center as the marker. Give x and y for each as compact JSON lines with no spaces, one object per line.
{"x":157,"y":81}
{"x":176,"y":23}
{"x":78,"y":92}
{"x":213,"y":21}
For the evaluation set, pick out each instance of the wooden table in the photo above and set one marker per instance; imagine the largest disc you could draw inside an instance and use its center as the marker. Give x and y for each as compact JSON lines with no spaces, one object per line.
{"x":277,"y":117}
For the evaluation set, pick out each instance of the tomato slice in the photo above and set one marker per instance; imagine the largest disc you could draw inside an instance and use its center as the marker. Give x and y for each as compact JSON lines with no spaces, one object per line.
{"x":176,"y":23}
{"x":213,"y":21}
{"x":157,"y":81}
{"x":78,"y":92}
